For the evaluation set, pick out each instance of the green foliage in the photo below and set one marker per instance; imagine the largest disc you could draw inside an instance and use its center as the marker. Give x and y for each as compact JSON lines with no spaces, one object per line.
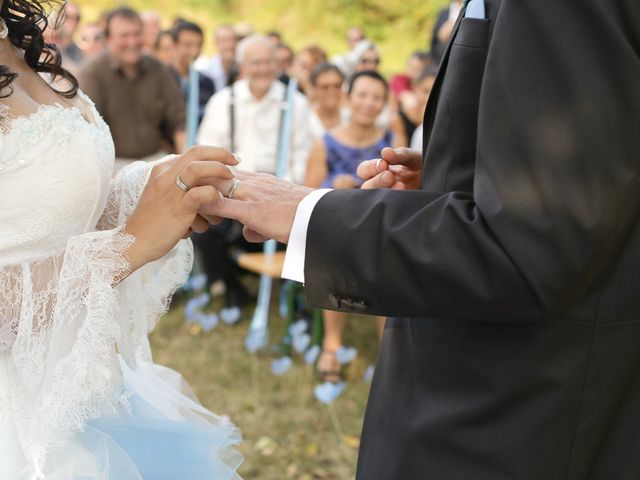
{"x":399,"y":27}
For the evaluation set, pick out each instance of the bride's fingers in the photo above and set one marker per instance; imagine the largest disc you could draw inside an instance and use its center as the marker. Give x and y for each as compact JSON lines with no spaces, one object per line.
{"x":200,"y":225}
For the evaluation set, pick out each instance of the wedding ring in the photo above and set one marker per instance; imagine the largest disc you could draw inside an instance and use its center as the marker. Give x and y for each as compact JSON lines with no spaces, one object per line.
{"x":234,"y":187}
{"x":378,"y":162}
{"x":181,"y":185}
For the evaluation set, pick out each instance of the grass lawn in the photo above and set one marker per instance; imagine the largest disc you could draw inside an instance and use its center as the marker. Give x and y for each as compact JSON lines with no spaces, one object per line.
{"x":287,"y":432}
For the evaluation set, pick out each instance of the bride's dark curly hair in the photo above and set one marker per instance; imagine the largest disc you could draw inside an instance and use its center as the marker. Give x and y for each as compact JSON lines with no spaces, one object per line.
{"x":27,"y":21}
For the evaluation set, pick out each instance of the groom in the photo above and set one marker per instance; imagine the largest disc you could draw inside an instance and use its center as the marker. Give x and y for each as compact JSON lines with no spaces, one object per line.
{"x":511,"y":252}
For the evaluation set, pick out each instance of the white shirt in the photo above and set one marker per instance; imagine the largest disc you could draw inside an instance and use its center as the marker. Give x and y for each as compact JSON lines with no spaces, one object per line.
{"x":416,"y":138}
{"x":256,"y":128}
{"x":212,"y":68}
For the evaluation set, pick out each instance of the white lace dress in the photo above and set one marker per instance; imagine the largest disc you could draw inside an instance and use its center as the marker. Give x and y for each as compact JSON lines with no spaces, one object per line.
{"x":80,"y":396}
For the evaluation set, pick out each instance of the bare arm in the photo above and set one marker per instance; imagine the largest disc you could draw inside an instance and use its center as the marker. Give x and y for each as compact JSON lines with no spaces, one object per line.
{"x":317,"y":165}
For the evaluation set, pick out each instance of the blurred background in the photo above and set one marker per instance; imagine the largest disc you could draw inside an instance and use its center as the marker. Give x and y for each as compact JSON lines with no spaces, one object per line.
{"x":399,"y":27}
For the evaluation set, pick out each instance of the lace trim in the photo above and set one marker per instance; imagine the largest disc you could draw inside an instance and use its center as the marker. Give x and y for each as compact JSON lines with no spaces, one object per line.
{"x":5,"y":116}
{"x":65,"y":125}
{"x":124,"y":195}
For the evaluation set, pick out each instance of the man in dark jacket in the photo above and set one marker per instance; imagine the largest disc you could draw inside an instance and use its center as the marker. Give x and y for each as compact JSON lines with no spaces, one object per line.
{"x":513,"y":262}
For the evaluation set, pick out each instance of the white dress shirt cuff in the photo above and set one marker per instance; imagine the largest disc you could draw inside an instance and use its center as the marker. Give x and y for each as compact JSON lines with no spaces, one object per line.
{"x":293,"y":268}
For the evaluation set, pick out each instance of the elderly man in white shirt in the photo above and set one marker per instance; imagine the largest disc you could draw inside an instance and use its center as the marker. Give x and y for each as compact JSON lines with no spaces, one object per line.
{"x":255,"y":106}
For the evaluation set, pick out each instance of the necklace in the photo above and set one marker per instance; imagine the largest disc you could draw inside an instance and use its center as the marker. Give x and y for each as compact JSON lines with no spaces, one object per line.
{"x":4,"y":30}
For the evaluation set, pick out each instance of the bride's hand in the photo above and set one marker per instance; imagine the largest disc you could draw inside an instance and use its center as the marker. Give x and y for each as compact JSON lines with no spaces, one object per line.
{"x":165,"y":213}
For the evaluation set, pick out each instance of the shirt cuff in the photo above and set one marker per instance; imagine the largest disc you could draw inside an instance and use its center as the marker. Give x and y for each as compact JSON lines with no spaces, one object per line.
{"x":293,"y":268}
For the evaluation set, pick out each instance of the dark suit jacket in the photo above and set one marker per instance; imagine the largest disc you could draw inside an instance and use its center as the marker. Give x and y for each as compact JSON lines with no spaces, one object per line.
{"x":517,"y":265}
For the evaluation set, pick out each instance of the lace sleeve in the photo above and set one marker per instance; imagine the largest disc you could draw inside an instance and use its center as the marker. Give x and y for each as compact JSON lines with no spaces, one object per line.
{"x":144,"y":295}
{"x":58,"y":330}
{"x":62,"y":323}
{"x":124,"y":194}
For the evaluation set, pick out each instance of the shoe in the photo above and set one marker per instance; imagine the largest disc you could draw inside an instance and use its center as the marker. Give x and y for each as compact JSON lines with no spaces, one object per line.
{"x":230,"y":315}
{"x":328,"y":368}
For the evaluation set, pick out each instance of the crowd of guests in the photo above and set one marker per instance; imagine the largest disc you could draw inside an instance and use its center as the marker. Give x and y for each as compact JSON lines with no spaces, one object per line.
{"x":343,"y":112}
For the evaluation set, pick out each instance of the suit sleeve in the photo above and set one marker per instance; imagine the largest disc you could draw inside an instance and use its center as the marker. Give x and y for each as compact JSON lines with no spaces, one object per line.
{"x":555,"y":188}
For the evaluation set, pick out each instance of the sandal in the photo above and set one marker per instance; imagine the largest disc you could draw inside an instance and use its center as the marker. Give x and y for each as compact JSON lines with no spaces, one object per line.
{"x":331,"y":373}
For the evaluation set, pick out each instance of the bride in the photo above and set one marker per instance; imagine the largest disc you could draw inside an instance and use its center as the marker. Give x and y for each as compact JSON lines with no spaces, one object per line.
{"x":87,"y":265}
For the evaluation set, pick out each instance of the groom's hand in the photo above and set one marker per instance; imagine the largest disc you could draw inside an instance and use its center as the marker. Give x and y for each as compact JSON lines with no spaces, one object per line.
{"x":264,"y":204}
{"x":397,"y":169}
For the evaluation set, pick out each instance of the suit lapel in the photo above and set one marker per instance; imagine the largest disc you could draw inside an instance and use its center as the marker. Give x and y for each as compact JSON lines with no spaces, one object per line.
{"x":432,"y":104}
{"x":492,"y":7}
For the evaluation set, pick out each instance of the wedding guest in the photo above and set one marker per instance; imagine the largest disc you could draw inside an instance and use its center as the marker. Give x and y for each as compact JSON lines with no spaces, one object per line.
{"x":135,"y":93}
{"x":70,"y":25}
{"x":349,"y":61}
{"x":164,"y":49}
{"x":403,"y":82}
{"x":284,"y":59}
{"x":326,"y":110}
{"x":243,"y":30}
{"x":188,"y":38}
{"x":410,"y":109}
{"x":303,"y":64}
{"x":333,"y":163}
{"x":221,"y":68}
{"x":255,"y":104}
{"x":422,"y":87}
{"x":245,"y":119}
{"x":151,"y":28}
{"x":275,"y":37}
{"x":367,"y":57}
{"x":56,"y":32}
{"x":92,"y":40}
{"x":443,"y":28}
{"x":354,"y":35}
